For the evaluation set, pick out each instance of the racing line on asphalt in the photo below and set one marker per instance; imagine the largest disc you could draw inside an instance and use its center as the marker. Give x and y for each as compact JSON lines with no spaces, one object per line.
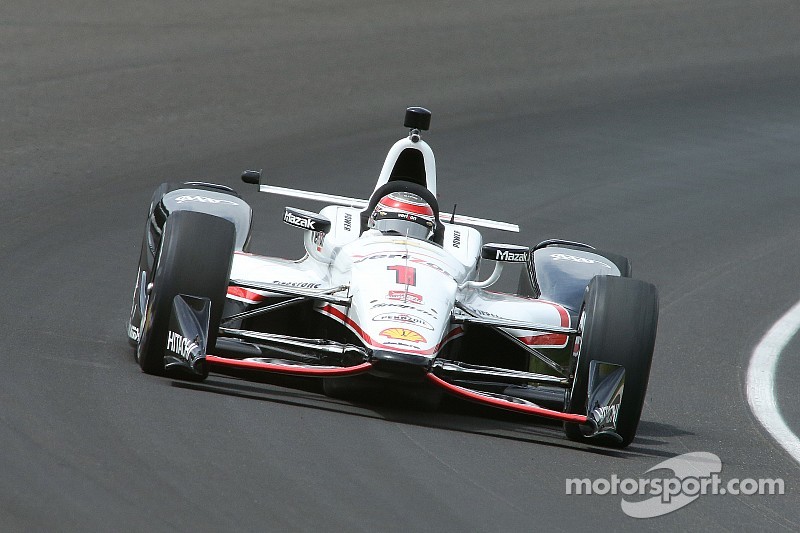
{"x":761,"y":380}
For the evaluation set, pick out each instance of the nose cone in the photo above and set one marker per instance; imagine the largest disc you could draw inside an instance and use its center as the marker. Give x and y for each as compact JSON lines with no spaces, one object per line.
{"x":400,"y":366}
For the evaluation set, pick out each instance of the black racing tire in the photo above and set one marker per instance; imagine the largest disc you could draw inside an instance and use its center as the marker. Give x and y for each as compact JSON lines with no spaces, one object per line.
{"x":145,"y":263}
{"x":618,"y":323}
{"x":194,"y":258}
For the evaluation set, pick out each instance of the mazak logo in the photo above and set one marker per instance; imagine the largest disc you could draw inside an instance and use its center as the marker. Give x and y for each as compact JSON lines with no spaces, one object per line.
{"x":300,"y":222}
{"x":511,"y":257}
{"x":180,"y":345}
{"x":203,"y":199}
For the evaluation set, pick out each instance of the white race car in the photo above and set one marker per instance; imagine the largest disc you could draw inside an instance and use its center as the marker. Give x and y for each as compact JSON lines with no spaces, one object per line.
{"x":390,"y":295}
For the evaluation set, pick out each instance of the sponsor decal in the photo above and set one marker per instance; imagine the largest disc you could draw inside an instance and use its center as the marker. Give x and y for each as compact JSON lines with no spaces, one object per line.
{"x":404,"y":306}
{"x":404,"y":296}
{"x":399,"y":343}
{"x":456,"y":239}
{"x":319,"y":240}
{"x":404,"y":275}
{"x":505,"y":255}
{"x":133,"y":332}
{"x":202,"y":199}
{"x":402,"y":317}
{"x":406,"y":257}
{"x":487,"y":313}
{"x":606,"y":415}
{"x":348,"y":221}
{"x":178,"y":344}
{"x":300,"y":222}
{"x":403,"y":334}
{"x":298,"y":284}
{"x":576,"y":259}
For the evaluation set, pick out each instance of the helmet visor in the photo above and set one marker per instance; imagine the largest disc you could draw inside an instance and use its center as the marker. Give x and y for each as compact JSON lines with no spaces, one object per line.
{"x":403,"y":224}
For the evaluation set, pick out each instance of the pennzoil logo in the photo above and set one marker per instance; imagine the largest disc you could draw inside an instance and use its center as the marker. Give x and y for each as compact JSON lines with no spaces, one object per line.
{"x":402,"y":317}
{"x":403,"y":334}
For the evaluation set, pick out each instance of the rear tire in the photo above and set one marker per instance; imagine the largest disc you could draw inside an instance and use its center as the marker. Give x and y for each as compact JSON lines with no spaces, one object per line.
{"x":194,"y":258}
{"x":618,"y":322}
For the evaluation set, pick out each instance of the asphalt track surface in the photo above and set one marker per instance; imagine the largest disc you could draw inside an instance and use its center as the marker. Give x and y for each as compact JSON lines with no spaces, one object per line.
{"x":668,"y":131}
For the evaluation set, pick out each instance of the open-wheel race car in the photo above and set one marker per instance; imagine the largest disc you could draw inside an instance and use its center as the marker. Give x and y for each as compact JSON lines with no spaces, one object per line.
{"x":389,"y":294}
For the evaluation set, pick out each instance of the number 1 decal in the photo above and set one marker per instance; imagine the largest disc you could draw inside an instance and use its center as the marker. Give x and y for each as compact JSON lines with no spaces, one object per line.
{"x":405,"y":275}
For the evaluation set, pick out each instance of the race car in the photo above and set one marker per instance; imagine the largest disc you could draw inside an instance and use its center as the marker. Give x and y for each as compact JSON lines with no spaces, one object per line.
{"x":389,"y":294}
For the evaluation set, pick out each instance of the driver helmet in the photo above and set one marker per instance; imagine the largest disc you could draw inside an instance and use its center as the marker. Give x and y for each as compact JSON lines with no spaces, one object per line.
{"x":403,"y":213}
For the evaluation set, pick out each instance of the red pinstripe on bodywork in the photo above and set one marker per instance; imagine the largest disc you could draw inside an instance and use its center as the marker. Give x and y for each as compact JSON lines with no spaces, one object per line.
{"x":476,"y":396}
{"x":467,"y":394}
{"x":550,"y":339}
{"x":294,"y":370}
{"x":240,"y":293}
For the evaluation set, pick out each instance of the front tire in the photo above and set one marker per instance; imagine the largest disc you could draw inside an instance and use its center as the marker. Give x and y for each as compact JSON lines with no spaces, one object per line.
{"x":618,"y":324}
{"x":194,"y":258}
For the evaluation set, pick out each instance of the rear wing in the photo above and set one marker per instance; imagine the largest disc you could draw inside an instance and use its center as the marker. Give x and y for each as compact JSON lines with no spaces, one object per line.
{"x":361,"y":204}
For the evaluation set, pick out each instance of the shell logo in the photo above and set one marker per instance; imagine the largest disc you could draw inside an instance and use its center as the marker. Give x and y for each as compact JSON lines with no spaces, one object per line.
{"x":403,"y":334}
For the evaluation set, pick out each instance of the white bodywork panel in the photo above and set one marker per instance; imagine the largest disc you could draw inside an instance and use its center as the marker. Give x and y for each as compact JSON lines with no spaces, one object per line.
{"x":394,"y":153}
{"x":402,"y":291}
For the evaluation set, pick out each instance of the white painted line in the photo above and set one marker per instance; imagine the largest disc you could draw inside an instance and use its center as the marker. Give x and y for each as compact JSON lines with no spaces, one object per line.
{"x":761,"y":380}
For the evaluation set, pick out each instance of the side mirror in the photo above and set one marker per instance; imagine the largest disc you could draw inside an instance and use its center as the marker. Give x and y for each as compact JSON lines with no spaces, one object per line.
{"x":506,"y":253}
{"x":300,"y":218}
{"x":251,"y":176}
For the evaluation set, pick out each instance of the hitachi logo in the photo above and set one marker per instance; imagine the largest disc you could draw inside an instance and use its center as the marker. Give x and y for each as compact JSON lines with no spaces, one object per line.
{"x":181,"y":345}
{"x":505,"y":255}
{"x":606,"y":416}
{"x":300,"y":222}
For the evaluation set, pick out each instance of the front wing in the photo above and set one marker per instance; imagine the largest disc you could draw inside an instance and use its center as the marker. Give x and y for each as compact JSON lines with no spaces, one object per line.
{"x":320,"y":358}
